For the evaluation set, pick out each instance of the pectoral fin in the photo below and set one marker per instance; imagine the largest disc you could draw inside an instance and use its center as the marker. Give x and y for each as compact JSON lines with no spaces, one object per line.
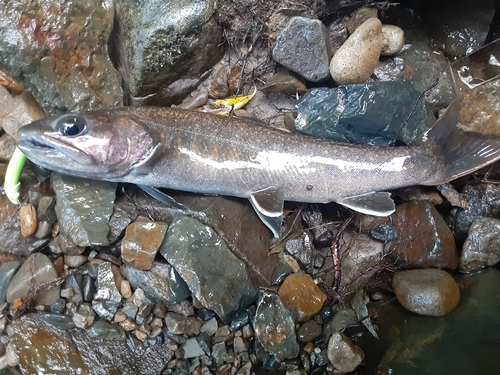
{"x":268,"y":203}
{"x":376,"y":204}
{"x":162,"y":197}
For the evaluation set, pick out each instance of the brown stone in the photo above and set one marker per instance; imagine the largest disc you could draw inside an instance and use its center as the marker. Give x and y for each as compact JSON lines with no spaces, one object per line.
{"x":141,"y":242}
{"x":343,"y":354}
{"x":301,"y":296}
{"x":424,"y":239}
{"x":426,"y":291}
{"x":27,"y":214}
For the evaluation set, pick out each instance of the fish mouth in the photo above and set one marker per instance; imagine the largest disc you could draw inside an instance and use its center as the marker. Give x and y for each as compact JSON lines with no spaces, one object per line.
{"x":43,"y":148}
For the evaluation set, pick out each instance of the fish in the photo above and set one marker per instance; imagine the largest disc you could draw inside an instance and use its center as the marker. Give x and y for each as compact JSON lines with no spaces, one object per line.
{"x":203,"y":153}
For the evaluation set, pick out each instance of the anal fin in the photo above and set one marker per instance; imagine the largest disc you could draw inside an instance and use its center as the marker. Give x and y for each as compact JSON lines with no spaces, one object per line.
{"x":376,"y":203}
{"x":162,"y":197}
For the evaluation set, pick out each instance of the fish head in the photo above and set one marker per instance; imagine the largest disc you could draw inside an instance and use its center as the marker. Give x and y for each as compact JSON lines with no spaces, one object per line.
{"x":101,"y":145}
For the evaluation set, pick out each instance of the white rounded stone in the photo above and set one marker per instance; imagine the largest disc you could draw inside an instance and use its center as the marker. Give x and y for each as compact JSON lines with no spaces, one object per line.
{"x":393,"y":39}
{"x":356,"y":59}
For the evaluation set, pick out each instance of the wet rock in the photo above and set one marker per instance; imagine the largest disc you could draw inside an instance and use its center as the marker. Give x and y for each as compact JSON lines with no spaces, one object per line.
{"x":42,"y":348}
{"x":301,"y":248}
{"x":210,"y":327}
{"x":483,"y":200}
{"x":280,"y":273}
{"x":345,"y":317}
{"x":119,"y":220}
{"x":164,"y":48}
{"x":66,"y":68}
{"x":141,"y":242}
{"x":195,"y":99}
{"x":162,"y":282}
{"x":45,"y":210}
{"x":44,"y":230}
{"x":304,"y":37}
{"x":35,"y":271}
{"x":458,"y":29}
{"x":58,"y":321}
{"x":369,"y":113}
{"x":420,"y":193}
{"x":7,"y":271}
{"x":74,"y":261}
{"x":482,"y":247}
{"x":393,"y":39}
{"x":105,"y":309}
{"x":27,"y":215}
{"x":359,"y":17}
{"x":426,"y":291}
{"x":106,"y":285}
{"x":301,"y":296}
{"x":237,"y":223}
{"x":384,"y":232}
{"x":179,"y":324}
{"x":106,"y":331}
{"x":309,"y":331}
{"x":343,"y":354}
{"x":184,"y":308}
{"x":214,"y":275}
{"x":361,"y":258}
{"x":424,"y":238}
{"x":355,"y":61}
{"x":63,"y":245}
{"x":83,"y":208}
{"x":274,"y":327}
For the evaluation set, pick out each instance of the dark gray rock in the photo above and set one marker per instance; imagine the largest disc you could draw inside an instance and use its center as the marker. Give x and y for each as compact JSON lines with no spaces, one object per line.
{"x":481,"y":249}
{"x":164,"y":47}
{"x":161,"y":283}
{"x":35,"y":271}
{"x":59,"y":321}
{"x":301,"y":248}
{"x":88,"y":288}
{"x":180,"y":324}
{"x":105,"y":309}
{"x":372,"y":113}
{"x":280,"y":273}
{"x":309,"y":331}
{"x":483,"y":201}
{"x":107,"y":331}
{"x":83,"y":208}
{"x":106,"y":285}
{"x":384,"y":232}
{"x":192,"y":348}
{"x":304,"y":47}
{"x":7,"y":271}
{"x":275,"y":328}
{"x":59,"y":52}
{"x":130,"y":310}
{"x":217,"y":278}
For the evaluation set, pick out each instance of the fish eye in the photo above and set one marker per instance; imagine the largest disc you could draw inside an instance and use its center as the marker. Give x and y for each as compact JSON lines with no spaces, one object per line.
{"x":72,"y":126}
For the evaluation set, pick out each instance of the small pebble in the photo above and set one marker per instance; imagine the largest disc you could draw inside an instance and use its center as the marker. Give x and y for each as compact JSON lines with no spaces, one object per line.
{"x":343,"y":354}
{"x":29,"y":222}
{"x":309,"y":331}
{"x":128,"y":325}
{"x":125,"y":289}
{"x":393,"y":39}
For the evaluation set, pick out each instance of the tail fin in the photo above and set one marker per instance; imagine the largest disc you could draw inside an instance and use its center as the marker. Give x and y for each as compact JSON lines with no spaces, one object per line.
{"x":462,"y":152}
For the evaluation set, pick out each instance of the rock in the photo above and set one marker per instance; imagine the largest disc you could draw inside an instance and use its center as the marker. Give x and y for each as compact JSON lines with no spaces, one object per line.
{"x":83,"y":208}
{"x":7,"y":271}
{"x":393,"y":39}
{"x":343,"y":354}
{"x":482,"y":247}
{"x":74,"y":261}
{"x":309,"y":331}
{"x":345,"y":317}
{"x":483,"y":200}
{"x":84,"y":317}
{"x":184,"y":307}
{"x":430,"y":292}
{"x":210,"y":327}
{"x":355,"y":61}
{"x":420,"y":193}
{"x":359,"y":17}
{"x":35,"y":272}
{"x":458,"y":29}
{"x":162,"y":282}
{"x":58,"y":321}
{"x":217,"y":278}
{"x":48,"y":57}
{"x":42,"y":348}
{"x":384,"y":233}
{"x":106,"y":331}
{"x":369,"y":114}
{"x":107,"y":289}
{"x":424,"y":238}
{"x":304,"y":47}
{"x":27,"y":214}
{"x":301,"y":296}
{"x":280,"y":273}
{"x":274,"y":327}
{"x":105,"y":309}
{"x":141,"y":242}
{"x":301,"y":248}
{"x":285,"y":84}
{"x":180,"y":324}
{"x":192,"y":349}
{"x":164,"y":48}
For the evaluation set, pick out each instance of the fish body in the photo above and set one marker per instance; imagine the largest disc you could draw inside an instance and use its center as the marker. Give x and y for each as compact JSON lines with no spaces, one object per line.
{"x":205,"y":153}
